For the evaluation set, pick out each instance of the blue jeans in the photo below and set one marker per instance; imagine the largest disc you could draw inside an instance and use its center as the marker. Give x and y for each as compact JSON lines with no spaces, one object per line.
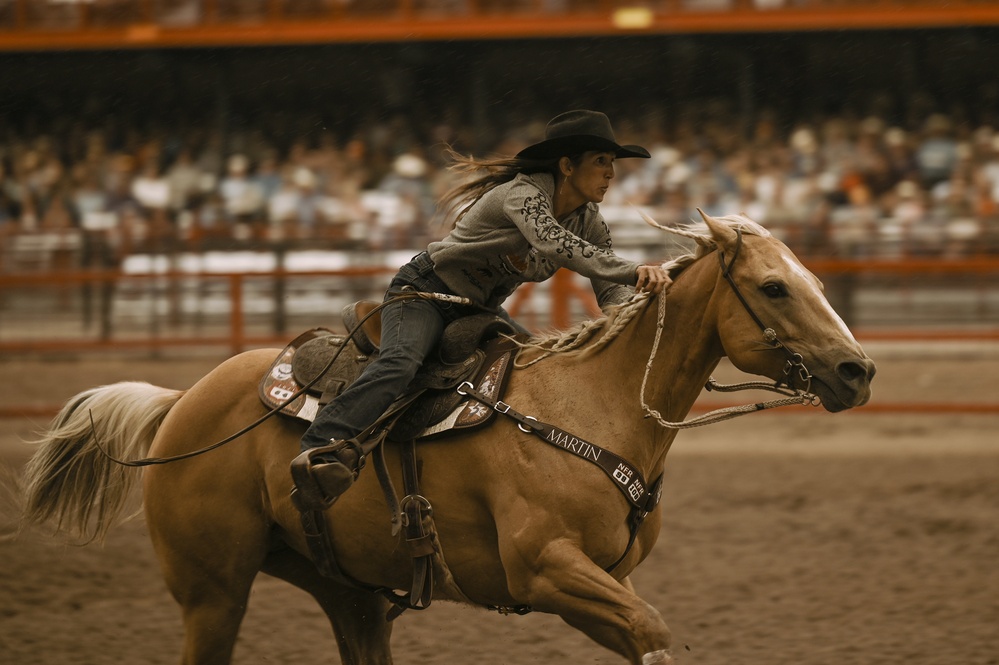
{"x":411,"y":329}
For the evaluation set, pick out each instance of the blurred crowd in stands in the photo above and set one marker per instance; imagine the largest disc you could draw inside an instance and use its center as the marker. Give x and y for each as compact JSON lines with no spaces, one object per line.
{"x":851,"y":187}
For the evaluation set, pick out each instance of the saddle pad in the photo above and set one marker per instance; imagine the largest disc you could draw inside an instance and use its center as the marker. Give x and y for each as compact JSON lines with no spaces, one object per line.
{"x":279,"y":383}
{"x":471,"y":412}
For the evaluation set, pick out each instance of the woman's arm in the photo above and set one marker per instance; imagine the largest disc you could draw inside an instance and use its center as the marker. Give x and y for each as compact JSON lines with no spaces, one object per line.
{"x":530,"y":210}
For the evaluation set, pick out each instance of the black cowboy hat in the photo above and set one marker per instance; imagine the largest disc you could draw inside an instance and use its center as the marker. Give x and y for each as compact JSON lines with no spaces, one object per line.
{"x":579,"y":131}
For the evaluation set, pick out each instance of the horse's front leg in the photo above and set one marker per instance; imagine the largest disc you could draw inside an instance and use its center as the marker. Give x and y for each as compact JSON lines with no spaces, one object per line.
{"x":559,"y":578}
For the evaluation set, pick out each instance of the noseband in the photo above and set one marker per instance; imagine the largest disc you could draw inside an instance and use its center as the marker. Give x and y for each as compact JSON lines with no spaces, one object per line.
{"x":794,"y":360}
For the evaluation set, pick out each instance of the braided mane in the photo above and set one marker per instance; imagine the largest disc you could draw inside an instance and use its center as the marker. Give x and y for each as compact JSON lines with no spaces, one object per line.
{"x":592,"y":335}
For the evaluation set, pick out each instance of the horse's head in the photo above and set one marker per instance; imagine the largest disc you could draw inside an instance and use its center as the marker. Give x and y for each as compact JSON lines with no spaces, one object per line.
{"x":774,"y":321}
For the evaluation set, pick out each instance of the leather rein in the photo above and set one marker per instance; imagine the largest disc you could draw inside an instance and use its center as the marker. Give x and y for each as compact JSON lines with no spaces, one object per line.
{"x":148,"y":461}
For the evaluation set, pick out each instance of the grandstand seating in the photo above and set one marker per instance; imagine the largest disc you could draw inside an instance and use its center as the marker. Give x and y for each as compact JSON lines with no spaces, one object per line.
{"x":840,"y":152}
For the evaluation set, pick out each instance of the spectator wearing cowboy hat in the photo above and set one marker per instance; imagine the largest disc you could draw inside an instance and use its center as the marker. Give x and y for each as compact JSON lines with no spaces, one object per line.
{"x":515,"y":220}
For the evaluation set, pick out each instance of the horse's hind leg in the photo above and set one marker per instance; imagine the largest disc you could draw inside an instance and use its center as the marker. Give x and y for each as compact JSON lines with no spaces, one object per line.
{"x":358,"y":617}
{"x":211,"y":586}
{"x":211,"y":623}
{"x":210,"y":550}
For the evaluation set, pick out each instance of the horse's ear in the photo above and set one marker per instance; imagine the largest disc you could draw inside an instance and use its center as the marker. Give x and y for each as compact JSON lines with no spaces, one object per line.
{"x":723,"y":234}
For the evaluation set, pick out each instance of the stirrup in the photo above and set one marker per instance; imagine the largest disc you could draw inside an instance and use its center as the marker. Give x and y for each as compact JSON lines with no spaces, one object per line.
{"x":319,"y":483}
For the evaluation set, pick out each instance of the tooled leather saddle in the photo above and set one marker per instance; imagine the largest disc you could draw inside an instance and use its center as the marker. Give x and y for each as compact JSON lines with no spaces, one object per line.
{"x":476,"y":348}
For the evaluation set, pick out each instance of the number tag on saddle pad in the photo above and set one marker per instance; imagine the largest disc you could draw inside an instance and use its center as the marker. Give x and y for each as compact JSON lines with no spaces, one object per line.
{"x":280,"y":384}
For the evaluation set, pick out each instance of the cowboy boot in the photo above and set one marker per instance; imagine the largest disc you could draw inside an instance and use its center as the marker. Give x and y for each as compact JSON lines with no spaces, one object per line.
{"x":324,"y":473}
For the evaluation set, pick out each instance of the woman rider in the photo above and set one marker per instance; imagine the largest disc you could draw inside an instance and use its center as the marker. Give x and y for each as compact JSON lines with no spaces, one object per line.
{"x":517,"y":220}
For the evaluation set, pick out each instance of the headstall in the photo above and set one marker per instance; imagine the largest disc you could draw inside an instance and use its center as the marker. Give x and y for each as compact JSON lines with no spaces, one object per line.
{"x":794,"y":360}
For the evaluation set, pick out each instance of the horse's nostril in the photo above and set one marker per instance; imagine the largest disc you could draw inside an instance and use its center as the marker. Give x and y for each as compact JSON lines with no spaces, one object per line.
{"x":854,"y":371}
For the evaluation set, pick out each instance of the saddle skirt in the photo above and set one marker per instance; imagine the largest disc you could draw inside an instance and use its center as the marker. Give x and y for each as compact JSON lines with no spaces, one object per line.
{"x":438,"y":410}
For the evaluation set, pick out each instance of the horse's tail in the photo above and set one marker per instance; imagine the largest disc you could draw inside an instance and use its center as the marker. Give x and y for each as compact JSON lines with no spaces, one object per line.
{"x":70,"y":478}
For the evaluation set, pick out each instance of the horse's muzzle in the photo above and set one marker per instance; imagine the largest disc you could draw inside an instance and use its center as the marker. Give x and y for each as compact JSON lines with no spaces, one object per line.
{"x":849,"y":387}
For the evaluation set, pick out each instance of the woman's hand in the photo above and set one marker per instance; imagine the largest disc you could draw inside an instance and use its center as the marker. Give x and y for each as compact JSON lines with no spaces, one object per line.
{"x":652,"y":279}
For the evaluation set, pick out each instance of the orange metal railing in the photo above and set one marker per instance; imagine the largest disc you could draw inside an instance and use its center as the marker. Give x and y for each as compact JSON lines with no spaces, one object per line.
{"x":33,"y":25}
{"x":234,"y":334}
{"x":565,"y":301}
{"x":237,"y":328}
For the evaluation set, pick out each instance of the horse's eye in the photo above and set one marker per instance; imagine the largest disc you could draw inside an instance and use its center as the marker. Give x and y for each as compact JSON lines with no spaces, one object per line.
{"x":774,"y":290}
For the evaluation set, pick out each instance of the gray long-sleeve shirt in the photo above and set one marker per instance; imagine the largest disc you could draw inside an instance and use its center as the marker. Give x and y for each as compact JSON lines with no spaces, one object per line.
{"x":509,"y":236}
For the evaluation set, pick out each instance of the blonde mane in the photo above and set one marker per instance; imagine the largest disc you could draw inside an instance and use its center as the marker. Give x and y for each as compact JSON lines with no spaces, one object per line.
{"x":592,"y":335}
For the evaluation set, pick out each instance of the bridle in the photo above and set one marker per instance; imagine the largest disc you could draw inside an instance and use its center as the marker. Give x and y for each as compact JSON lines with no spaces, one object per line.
{"x":794,"y":360}
{"x":794,"y":368}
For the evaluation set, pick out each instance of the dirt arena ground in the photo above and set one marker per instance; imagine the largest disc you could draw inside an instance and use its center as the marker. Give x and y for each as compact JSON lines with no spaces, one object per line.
{"x":795,"y":538}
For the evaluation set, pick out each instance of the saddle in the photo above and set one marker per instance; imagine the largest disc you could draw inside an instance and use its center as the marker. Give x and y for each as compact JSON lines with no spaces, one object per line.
{"x":325,"y":363}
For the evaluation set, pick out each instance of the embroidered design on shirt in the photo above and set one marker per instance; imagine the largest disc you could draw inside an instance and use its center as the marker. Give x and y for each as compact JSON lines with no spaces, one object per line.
{"x":537,"y":210}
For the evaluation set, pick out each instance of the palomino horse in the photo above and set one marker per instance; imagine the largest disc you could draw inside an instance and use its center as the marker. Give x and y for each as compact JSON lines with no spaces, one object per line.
{"x":518,"y":522}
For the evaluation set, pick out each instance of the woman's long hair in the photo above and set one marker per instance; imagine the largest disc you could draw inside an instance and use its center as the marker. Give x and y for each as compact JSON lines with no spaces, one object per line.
{"x":478,"y":176}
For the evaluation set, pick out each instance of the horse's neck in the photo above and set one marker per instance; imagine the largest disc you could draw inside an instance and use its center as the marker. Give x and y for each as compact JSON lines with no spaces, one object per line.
{"x":606,"y":387}
{"x":687,"y":353}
